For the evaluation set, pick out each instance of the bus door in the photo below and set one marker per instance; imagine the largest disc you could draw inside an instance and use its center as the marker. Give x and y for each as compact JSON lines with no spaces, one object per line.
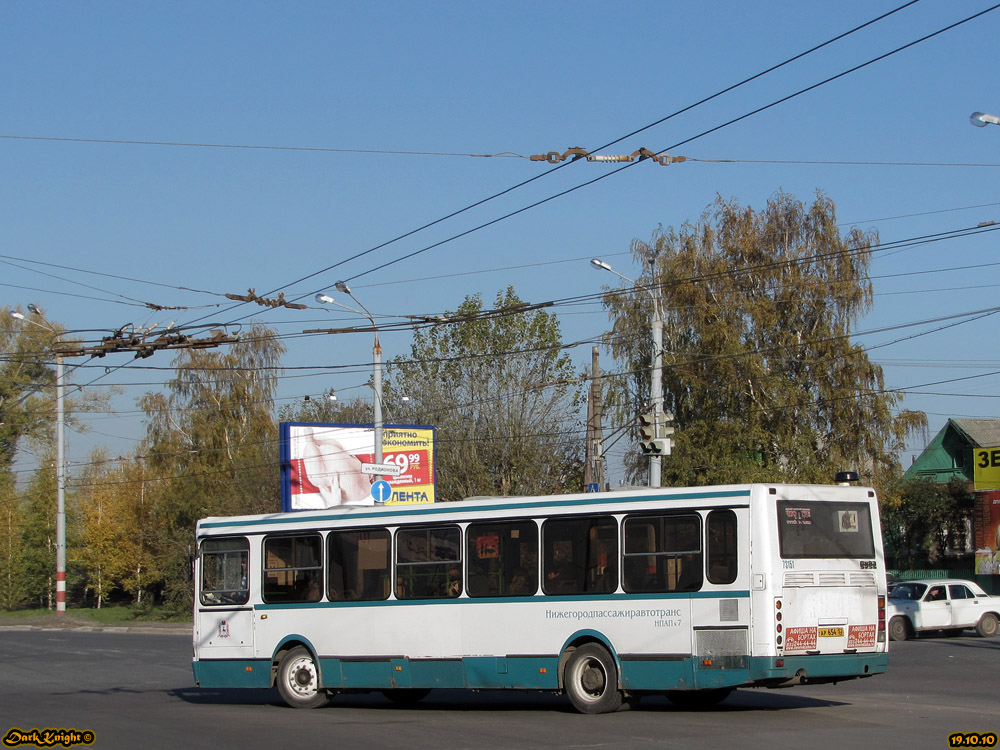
{"x":223,"y":613}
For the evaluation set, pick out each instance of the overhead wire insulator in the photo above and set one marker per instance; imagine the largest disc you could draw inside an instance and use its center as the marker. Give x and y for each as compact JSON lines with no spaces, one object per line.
{"x":554,"y":157}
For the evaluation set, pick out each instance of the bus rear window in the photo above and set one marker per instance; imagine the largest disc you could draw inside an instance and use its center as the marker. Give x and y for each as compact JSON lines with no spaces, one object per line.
{"x":817,"y":530}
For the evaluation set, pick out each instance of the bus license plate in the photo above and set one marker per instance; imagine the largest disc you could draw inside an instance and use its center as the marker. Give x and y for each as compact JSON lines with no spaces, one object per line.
{"x":831,"y":632}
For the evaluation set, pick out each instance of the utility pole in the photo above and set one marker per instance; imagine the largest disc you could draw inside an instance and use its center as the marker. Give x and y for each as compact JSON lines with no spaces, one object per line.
{"x":593,"y":470}
{"x":119,"y":342}
{"x":657,"y":417}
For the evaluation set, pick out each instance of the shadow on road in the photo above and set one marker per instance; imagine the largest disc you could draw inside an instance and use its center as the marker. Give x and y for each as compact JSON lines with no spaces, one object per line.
{"x":505,"y":700}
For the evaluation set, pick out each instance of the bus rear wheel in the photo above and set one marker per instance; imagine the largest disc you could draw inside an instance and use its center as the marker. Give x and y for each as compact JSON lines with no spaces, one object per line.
{"x":591,"y":680}
{"x":298,"y":680}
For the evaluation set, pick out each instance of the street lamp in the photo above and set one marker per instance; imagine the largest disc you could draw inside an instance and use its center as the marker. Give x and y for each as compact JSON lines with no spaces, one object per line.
{"x":656,"y":378}
{"x":60,"y":465}
{"x":981,"y":119}
{"x":326,"y":299}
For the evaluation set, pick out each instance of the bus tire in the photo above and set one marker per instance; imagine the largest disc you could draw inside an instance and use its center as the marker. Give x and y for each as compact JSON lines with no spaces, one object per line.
{"x":591,"y":680}
{"x":987,"y":625}
{"x":298,"y":680}
{"x":899,"y":629}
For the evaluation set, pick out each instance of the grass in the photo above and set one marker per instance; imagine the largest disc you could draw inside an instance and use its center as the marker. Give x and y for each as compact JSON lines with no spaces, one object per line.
{"x":105,"y":616}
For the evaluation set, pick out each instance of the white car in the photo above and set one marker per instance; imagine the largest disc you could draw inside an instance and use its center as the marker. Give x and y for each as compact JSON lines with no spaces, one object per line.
{"x":948,"y":605}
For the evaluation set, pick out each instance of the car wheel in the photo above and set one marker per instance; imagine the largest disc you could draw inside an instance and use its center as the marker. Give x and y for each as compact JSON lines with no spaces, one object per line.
{"x":899,"y":629}
{"x":298,"y":680}
{"x":987,"y":625}
{"x":591,"y":680}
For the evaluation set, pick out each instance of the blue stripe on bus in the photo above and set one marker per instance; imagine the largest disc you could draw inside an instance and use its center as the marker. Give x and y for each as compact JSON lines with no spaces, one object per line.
{"x":541,"y":672}
{"x":581,"y":599}
{"x":232,"y":673}
{"x":297,"y":517}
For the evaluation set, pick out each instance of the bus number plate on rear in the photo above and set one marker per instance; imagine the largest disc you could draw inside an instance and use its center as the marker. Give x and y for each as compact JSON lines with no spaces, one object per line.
{"x":831,"y":632}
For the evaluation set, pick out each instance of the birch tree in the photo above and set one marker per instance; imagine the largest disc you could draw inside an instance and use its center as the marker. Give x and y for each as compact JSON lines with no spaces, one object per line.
{"x":760,"y":369}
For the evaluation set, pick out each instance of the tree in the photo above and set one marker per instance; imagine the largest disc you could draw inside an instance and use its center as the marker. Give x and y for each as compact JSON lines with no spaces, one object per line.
{"x":118,"y":528}
{"x":502,"y":395}
{"x":759,"y":368}
{"x":924,"y":521}
{"x":39,"y":536}
{"x":325,"y":410}
{"x":212,"y":444}
{"x":24,"y":411}
{"x":13,"y":571}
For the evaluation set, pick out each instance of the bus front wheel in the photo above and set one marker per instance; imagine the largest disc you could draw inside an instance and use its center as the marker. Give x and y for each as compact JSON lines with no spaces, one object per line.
{"x":298,"y":680}
{"x":591,"y":680}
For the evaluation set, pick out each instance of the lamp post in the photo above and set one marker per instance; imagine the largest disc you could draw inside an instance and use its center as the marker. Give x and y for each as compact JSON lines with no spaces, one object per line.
{"x":60,"y":466}
{"x":326,"y":299}
{"x":981,"y":119}
{"x":656,"y":377}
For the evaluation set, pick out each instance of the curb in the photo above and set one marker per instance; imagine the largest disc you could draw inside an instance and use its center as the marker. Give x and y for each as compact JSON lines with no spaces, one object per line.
{"x":141,"y":629}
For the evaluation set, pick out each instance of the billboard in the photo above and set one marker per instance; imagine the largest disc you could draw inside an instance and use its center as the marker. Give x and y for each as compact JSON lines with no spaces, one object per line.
{"x":987,"y":526}
{"x":322,"y":465}
{"x":986,"y":472}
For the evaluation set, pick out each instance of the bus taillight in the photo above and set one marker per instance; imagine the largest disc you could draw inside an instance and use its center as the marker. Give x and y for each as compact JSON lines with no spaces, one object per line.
{"x":777,"y":622}
{"x":881,"y":619}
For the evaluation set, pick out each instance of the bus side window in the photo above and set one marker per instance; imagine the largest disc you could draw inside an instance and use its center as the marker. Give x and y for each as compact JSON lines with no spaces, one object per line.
{"x":723,"y":549}
{"x":293,"y":568}
{"x":502,"y":558}
{"x":429,"y":562}
{"x":580,"y":555}
{"x":663,"y":553}
{"x":358,"y":565}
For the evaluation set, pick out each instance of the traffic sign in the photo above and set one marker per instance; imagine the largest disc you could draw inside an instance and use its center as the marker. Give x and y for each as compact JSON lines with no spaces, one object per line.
{"x":391,"y":470}
{"x":381,"y":491}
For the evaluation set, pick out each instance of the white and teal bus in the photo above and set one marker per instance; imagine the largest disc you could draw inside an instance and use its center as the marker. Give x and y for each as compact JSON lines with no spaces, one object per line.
{"x":609,"y":596}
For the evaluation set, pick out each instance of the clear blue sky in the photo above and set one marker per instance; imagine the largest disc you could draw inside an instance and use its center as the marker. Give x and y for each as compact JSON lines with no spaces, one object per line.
{"x":477,"y":78}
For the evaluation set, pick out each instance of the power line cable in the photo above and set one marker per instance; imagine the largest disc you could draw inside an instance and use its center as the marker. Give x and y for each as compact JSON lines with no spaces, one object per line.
{"x":560,"y":166}
{"x":661,"y":151}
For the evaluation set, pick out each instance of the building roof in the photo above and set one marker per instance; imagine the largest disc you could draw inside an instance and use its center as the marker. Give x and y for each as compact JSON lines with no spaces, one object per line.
{"x":949,"y":454}
{"x":981,"y":433}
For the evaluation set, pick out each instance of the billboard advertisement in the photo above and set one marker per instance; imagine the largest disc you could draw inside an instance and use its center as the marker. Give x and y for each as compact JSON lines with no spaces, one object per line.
{"x":987,"y":525}
{"x":986,"y":472}
{"x":328,"y":465}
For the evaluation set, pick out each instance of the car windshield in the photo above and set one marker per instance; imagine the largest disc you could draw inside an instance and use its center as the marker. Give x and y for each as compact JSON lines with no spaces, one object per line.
{"x":911,"y":591}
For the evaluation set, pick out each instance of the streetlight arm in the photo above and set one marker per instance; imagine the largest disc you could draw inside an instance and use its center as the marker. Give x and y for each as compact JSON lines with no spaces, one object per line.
{"x":602,"y":266}
{"x":656,"y":371}
{"x":376,"y":361}
{"x":326,"y":299}
{"x":981,"y":119}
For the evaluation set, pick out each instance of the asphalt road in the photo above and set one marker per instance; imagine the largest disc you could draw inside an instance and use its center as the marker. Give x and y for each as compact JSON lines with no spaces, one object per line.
{"x":136,"y":690}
